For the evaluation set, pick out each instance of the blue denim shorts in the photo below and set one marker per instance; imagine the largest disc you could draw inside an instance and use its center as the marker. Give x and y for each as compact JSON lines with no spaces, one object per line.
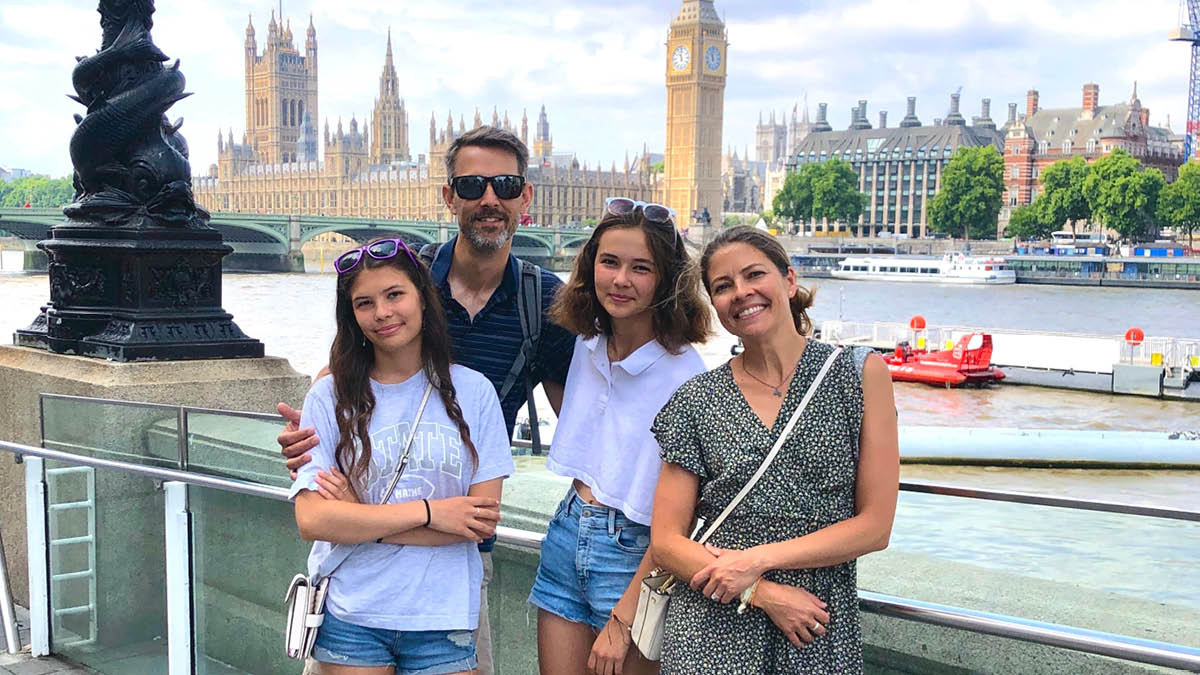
{"x":425,"y":652}
{"x":589,"y":557}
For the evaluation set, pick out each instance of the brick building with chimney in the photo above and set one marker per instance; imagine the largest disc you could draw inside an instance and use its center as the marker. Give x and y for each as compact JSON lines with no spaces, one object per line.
{"x":1043,"y":136}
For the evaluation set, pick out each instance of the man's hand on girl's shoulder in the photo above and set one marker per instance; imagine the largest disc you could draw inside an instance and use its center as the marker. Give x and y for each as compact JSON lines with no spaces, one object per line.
{"x":294,"y":442}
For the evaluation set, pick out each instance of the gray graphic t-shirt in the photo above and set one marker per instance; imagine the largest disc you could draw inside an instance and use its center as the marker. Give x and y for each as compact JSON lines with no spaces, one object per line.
{"x":411,"y":588}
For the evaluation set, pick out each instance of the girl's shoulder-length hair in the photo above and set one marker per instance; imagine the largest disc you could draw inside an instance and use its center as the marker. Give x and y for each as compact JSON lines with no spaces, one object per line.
{"x":681,"y":312}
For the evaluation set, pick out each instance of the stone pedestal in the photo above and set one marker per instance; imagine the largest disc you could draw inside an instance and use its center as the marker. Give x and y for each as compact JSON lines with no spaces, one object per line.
{"x":252,"y":384}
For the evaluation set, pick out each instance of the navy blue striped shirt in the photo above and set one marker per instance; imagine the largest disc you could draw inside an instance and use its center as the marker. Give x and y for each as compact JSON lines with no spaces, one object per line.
{"x":491,"y":342}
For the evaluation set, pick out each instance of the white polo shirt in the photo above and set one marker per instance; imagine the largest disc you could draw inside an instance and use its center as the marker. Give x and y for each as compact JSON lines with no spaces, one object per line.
{"x":603,"y":435}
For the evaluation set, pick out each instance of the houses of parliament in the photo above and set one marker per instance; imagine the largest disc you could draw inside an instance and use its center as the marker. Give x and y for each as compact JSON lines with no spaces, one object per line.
{"x":367,"y":170}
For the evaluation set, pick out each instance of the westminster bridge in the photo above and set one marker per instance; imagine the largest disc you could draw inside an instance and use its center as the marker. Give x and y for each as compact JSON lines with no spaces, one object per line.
{"x":272,"y":243}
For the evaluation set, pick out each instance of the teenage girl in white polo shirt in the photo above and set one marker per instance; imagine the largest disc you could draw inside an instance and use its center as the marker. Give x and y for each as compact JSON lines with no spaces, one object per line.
{"x":634,"y":300}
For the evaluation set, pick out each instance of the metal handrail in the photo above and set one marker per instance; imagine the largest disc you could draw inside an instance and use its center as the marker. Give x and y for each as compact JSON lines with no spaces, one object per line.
{"x":1025,"y":630}
{"x":1046,"y":500}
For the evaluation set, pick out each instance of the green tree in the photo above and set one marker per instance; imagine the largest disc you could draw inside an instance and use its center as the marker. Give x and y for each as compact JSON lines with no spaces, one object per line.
{"x":835,"y":194}
{"x":1179,"y":203}
{"x":972,"y":188}
{"x":588,"y":222}
{"x":1029,"y":221}
{"x":1124,"y":196}
{"x":732,"y":221}
{"x":658,"y":167}
{"x":794,"y":202}
{"x":1062,"y":193}
{"x":38,"y":191}
{"x":768,"y":217}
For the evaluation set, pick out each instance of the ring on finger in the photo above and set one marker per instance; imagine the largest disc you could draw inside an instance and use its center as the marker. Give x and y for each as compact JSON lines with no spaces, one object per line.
{"x":715,"y":596}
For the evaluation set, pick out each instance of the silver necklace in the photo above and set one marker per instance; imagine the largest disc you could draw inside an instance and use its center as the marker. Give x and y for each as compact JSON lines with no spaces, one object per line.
{"x":773,"y":387}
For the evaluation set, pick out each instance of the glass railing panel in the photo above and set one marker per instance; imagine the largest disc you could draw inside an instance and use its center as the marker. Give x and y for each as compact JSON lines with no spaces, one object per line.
{"x":513,"y":619}
{"x":1116,"y":573}
{"x":245,"y":550}
{"x":130,"y":432}
{"x":107,"y":571}
{"x":236,"y":446}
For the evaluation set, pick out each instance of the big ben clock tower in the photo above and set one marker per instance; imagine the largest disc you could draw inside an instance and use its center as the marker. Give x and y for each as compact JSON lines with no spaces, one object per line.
{"x":695,"y":110}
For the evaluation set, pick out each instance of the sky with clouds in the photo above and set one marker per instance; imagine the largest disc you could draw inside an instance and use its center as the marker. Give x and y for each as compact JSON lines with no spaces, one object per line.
{"x":598,"y":65}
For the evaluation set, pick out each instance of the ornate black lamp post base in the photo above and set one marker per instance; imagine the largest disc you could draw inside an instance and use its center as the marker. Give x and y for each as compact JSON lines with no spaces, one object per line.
{"x":135,"y":295}
{"x":135,"y":271}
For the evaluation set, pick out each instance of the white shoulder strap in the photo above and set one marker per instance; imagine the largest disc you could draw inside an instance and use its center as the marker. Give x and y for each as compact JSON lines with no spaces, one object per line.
{"x":787,"y":430}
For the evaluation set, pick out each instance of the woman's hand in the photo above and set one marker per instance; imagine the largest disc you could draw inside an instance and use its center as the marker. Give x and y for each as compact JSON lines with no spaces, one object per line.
{"x":730,"y":573}
{"x":472,"y":518}
{"x":609,"y":649}
{"x":800,"y":615}
{"x":333,"y":484}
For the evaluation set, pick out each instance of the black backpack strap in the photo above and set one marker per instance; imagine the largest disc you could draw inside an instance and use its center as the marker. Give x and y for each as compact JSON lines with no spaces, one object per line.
{"x":529,"y":311}
{"x":428,"y":253}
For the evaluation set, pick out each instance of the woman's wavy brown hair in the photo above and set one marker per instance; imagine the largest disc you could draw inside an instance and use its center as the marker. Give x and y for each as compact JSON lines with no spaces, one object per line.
{"x":773,"y":250}
{"x":681,"y":315}
{"x":351,"y":357}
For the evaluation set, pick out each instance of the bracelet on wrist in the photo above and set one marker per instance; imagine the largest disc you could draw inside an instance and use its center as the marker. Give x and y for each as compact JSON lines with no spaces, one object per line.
{"x":748,"y":596}
{"x":428,"y":513}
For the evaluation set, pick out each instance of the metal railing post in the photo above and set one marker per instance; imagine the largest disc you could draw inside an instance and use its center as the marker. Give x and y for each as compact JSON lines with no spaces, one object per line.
{"x":180,"y":655}
{"x":7,"y":613}
{"x":39,"y":557}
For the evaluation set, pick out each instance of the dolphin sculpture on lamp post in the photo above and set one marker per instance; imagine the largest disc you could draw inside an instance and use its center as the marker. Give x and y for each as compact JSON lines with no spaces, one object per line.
{"x":135,"y":270}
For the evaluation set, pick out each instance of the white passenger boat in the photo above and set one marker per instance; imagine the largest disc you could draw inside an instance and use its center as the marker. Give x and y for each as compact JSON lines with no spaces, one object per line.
{"x":952,"y":268}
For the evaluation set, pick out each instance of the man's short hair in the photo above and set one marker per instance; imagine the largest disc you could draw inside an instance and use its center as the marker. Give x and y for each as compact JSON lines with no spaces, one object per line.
{"x":488,"y":137}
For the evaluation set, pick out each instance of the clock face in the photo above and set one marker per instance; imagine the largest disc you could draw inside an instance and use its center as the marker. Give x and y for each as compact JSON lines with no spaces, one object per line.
{"x":681,"y":58}
{"x":712,"y":58}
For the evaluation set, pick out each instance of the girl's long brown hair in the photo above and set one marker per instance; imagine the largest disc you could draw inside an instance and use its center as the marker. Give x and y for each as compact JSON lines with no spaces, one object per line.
{"x":681,"y":315}
{"x":352,"y":355}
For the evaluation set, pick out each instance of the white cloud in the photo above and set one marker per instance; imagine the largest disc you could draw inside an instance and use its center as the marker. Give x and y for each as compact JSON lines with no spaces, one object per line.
{"x":598,"y":67}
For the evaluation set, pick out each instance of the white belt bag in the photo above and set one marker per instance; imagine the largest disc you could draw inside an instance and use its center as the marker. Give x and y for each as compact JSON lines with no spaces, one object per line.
{"x":305,"y":597}
{"x":655,"y":594}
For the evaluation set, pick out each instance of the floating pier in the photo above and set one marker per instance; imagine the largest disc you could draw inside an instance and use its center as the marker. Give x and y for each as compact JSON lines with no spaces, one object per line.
{"x":1159,"y":367}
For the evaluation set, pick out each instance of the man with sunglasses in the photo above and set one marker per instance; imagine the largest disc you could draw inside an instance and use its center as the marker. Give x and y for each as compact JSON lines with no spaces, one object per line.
{"x":480,"y":281}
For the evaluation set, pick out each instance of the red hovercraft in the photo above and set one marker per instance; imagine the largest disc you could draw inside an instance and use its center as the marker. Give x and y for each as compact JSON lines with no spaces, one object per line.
{"x":968,"y":363}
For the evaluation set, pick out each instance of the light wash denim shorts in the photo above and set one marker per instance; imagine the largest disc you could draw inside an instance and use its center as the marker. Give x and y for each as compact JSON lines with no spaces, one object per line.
{"x":423,"y":652}
{"x":589,"y":558}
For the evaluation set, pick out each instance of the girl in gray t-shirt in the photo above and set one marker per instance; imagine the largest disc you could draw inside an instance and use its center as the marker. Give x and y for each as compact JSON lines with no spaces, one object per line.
{"x":407,"y":595}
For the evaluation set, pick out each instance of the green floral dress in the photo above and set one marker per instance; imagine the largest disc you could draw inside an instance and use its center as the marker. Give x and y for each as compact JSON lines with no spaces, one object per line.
{"x":709,"y":429}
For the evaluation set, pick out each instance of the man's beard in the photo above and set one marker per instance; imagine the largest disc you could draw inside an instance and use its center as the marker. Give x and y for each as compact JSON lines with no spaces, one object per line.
{"x":482,"y":242}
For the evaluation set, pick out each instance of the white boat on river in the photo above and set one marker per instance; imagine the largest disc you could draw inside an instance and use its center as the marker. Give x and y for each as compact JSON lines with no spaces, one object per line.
{"x":952,"y":268}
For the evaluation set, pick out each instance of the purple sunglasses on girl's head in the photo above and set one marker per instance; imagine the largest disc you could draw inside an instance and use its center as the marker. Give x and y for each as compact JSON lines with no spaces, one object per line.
{"x":379,"y":250}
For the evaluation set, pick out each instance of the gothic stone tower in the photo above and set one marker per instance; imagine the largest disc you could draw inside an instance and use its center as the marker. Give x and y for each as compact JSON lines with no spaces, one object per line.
{"x":281,"y":85}
{"x":389,"y":143}
{"x":695,"y":108}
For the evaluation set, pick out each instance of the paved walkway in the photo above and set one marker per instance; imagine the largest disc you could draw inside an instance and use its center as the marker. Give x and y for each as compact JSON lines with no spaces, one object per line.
{"x":24,"y":664}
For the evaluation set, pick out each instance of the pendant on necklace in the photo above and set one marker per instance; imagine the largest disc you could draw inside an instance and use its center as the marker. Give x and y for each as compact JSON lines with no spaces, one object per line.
{"x":778,"y":394}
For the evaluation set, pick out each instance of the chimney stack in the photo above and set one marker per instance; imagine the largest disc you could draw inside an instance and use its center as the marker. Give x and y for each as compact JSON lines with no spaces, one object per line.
{"x":858,"y":116}
{"x":910,"y":117}
{"x":1091,"y":100}
{"x":1031,"y":103}
{"x":1012,"y":113}
{"x":822,"y":123}
{"x":955,"y":117}
{"x":984,"y":121}
{"x":882,"y":119}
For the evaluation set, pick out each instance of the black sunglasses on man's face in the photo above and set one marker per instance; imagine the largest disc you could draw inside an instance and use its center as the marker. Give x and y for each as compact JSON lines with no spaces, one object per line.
{"x":506,"y":186}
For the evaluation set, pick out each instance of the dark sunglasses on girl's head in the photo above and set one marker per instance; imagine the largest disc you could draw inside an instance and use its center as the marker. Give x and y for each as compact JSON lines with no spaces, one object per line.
{"x":379,"y":250}
{"x":506,"y":186}
{"x":655,"y":213}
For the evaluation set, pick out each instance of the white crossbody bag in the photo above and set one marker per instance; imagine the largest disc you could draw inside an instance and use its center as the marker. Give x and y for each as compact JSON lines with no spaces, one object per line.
{"x":305,"y":598}
{"x":655,"y":593}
